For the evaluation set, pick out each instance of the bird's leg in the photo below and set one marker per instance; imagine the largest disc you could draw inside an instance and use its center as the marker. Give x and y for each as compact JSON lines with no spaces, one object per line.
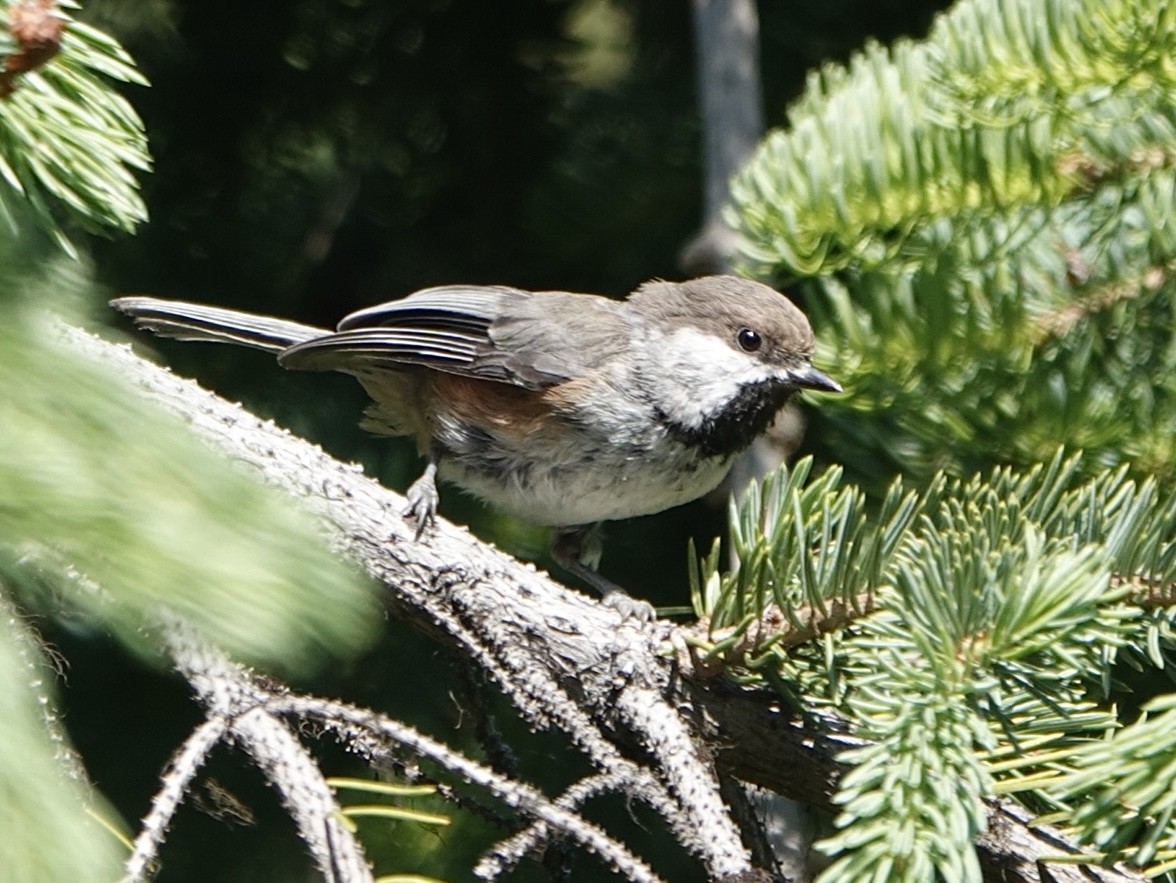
{"x":577,"y":550}
{"x":423,"y":498}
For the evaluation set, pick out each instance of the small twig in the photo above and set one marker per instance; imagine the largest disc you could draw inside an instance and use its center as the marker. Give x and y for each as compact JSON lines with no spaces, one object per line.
{"x":472,"y":684}
{"x":175,"y":781}
{"x":232,"y":696}
{"x":774,"y":628}
{"x":1058,"y":322}
{"x":350,"y":721}
{"x":1147,"y":592}
{"x":40,"y":662}
{"x":504,"y":855}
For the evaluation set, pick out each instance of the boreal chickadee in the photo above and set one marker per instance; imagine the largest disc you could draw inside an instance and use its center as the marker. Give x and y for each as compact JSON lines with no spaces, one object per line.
{"x":564,"y":409}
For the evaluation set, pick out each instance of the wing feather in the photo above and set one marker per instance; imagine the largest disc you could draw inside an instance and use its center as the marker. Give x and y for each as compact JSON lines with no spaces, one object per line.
{"x":465,"y":306}
{"x":387,"y":347}
{"x":486,"y":332}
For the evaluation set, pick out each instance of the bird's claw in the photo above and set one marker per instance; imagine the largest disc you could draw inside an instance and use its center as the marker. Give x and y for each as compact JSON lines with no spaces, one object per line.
{"x":573,"y":549}
{"x":422,"y":501}
{"x":629,"y":607}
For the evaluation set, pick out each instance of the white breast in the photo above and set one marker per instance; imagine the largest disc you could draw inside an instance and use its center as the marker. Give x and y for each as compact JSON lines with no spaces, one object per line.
{"x":591,"y":491}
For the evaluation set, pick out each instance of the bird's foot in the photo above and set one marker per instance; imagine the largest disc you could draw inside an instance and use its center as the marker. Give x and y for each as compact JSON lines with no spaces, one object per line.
{"x":577,"y":550}
{"x":422,"y":500}
{"x":628,"y":606}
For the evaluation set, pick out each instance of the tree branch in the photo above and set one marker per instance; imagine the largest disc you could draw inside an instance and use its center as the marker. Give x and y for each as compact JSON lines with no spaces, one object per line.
{"x":565,"y":660}
{"x":726,"y":57}
{"x":241,"y":709}
{"x":570,"y":662}
{"x":176,"y":781}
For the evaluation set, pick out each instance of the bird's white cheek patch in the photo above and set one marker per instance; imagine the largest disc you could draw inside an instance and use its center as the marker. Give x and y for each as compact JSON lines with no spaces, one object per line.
{"x":698,"y":374}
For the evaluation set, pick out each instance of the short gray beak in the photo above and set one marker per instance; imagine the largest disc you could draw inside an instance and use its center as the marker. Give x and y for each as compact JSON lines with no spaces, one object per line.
{"x":809,"y":377}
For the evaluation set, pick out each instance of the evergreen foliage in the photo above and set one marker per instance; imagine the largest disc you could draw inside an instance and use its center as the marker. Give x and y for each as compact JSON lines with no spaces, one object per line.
{"x":121,"y":525}
{"x":69,"y":144}
{"x":985,"y":218}
{"x":970,"y":631}
{"x":981,"y":225}
{"x":48,"y":834}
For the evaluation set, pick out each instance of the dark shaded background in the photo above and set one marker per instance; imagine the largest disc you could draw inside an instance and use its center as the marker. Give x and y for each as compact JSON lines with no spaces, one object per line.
{"x":315,"y":156}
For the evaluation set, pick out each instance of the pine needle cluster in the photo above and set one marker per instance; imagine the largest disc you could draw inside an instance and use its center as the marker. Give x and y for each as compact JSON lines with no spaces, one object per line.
{"x":975,"y":632}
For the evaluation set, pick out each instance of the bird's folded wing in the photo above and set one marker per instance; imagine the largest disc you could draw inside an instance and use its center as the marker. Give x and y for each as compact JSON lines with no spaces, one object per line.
{"x":487,"y":332}
{"x":438,"y":348}
{"x":473,"y":307}
{"x":445,"y":328}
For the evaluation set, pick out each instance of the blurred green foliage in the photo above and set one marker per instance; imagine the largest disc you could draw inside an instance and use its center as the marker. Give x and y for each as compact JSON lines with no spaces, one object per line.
{"x":114,"y":509}
{"x":47,"y":810}
{"x":112,"y":514}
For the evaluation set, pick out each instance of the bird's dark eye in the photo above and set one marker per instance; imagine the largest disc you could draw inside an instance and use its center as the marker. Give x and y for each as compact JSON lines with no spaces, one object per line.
{"x":749,"y":340}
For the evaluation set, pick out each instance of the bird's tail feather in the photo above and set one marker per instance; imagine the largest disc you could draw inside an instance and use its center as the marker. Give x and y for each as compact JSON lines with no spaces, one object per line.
{"x":185,"y":321}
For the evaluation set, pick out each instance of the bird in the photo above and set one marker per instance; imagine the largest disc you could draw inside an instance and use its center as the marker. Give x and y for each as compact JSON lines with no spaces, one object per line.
{"x":564,"y":409}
